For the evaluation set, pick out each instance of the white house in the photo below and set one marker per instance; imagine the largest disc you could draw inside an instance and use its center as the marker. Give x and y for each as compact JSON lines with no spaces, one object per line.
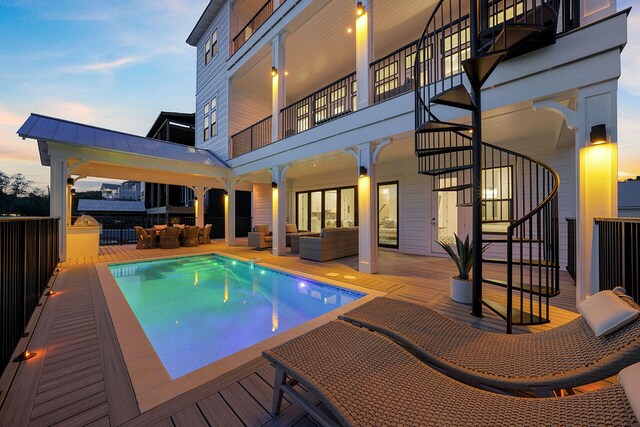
{"x":327,"y":110}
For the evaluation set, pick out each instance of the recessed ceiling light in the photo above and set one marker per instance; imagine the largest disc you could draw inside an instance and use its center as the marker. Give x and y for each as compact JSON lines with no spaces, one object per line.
{"x":315,"y":164}
{"x":349,"y":30}
{"x":286,"y":73}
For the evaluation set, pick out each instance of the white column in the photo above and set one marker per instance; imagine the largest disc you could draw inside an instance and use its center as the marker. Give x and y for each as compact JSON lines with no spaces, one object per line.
{"x":367,"y":210}
{"x":200,"y":191}
{"x":230,"y":213}
{"x":596,"y":178}
{"x":58,"y":201}
{"x":278,"y":93}
{"x":279,"y":210}
{"x":364,"y":54}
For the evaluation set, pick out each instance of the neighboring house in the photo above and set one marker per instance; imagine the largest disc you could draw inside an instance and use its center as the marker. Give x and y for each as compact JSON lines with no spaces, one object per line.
{"x":110,"y":207}
{"x":629,"y":198}
{"x":337,"y":115}
{"x":128,"y":190}
{"x":109,"y":191}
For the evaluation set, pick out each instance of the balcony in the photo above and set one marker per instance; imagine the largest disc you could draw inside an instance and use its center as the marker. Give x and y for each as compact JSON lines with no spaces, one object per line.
{"x":253,"y":24}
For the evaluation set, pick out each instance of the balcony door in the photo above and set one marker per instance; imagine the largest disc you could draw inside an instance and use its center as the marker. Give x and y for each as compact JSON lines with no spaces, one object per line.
{"x":444,"y":216}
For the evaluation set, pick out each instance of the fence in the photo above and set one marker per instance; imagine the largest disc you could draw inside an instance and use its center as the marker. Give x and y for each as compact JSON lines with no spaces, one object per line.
{"x":28,"y":258}
{"x":619,"y":254}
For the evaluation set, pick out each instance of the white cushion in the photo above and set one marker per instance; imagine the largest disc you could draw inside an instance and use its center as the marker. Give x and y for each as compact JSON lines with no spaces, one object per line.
{"x":630,"y":379}
{"x":605,"y":312}
{"x":291,"y":228}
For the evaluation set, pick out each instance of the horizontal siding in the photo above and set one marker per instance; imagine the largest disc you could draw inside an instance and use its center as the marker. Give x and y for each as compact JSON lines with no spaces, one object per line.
{"x":262,"y":213}
{"x":245,"y":110}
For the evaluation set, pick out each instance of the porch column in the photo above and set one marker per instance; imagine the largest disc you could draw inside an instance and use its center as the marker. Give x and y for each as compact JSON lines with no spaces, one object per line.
{"x":230,"y":213}
{"x":199,"y":205}
{"x":596,"y":178}
{"x":58,"y":201}
{"x":367,"y":209}
{"x":279,"y":209}
{"x":278,"y":93}
{"x":364,"y":54}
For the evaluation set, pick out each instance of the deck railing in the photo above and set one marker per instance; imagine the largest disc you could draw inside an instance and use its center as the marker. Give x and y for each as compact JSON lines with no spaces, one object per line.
{"x":255,"y":136}
{"x":28,"y":258}
{"x":254,"y":23}
{"x":619,"y":252}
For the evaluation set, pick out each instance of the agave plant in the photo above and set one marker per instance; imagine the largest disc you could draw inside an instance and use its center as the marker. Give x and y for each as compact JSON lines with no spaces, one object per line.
{"x":464,"y":258}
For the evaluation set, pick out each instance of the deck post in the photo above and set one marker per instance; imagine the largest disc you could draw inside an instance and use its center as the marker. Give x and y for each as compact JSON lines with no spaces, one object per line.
{"x":200,"y":191}
{"x":230,"y":213}
{"x":279,"y":210}
{"x":59,"y":199}
{"x":364,"y":55}
{"x":367,"y":209}
{"x":278,"y":85}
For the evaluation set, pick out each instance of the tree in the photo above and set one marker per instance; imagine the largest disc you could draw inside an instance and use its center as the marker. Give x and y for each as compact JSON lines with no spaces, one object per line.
{"x":17,"y":197}
{"x":20,"y":184}
{"x":5,"y":180}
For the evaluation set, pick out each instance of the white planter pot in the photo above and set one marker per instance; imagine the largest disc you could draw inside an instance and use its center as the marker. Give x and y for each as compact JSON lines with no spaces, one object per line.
{"x":461,"y":291}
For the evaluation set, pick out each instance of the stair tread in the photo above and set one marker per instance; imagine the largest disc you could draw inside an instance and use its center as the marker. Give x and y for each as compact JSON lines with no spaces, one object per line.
{"x":518,"y":317}
{"x":457,"y":96}
{"x":514,"y":239}
{"x":438,"y":126}
{"x":512,"y":35}
{"x":479,"y":68}
{"x":532,"y":289}
{"x":443,"y":171}
{"x":533,"y":262}
{"x":423,"y":152}
{"x":455,"y":187}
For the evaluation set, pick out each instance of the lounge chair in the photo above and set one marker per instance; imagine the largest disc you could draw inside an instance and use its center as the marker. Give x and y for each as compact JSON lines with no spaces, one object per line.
{"x":145,"y":240}
{"x":366,"y":379}
{"x":170,"y":238}
{"x":564,"y":357}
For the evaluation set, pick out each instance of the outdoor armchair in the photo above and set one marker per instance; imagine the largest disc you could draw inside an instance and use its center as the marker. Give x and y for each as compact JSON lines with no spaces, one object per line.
{"x":190,"y":236}
{"x":204,"y":236}
{"x":260,"y":237}
{"x":145,"y":240}
{"x":170,"y":238}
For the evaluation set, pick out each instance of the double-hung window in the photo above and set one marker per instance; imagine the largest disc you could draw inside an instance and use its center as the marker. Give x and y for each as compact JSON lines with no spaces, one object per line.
{"x":210,"y":120}
{"x":211,"y":47}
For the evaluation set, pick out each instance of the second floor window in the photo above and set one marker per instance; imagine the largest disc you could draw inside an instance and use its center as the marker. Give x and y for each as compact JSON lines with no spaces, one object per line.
{"x":210,"y":120}
{"x":211,"y":47}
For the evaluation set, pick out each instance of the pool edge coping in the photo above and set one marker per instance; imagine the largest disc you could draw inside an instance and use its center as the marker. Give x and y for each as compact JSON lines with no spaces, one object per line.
{"x":151,"y":382}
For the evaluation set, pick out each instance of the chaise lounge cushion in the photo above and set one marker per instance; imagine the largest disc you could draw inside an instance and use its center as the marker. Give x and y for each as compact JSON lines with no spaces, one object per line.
{"x":630,"y":379}
{"x":605,"y":312}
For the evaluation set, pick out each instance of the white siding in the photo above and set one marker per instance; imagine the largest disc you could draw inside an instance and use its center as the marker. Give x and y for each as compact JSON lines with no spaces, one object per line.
{"x":262,"y":213}
{"x":246,"y":110}
{"x":211,"y":81}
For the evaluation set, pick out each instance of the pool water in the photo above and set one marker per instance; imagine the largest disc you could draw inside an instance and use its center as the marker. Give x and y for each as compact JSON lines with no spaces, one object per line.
{"x":196,"y":310}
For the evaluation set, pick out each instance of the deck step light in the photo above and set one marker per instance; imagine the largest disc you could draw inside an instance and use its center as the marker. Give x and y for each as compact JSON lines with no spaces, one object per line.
{"x":50,"y":293}
{"x":598,"y":134}
{"x":363,"y":171}
{"x":274,"y":71}
{"x":25,"y":355}
{"x":359,"y":8}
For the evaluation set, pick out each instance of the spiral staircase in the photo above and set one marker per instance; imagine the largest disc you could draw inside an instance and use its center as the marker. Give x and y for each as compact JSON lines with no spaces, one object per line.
{"x":514,"y":198}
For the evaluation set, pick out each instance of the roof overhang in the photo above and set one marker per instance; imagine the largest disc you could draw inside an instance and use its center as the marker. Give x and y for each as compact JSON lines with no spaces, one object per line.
{"x":205,"y":21}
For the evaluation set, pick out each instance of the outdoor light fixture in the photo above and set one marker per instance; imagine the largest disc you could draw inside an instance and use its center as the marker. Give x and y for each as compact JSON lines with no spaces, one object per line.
{"x":225,"y":193}
{"x":73,"y":191}
{"x":25,"y":355}
{"x":195,"y":198}
{"x":274,"y":71}
{"x":50,"y":293}
{"x":363,"y":171}
{"x":359,"y":8}
{"x":274,"y":185}
{"x":70,"y":181}
{"x":598,"y":134}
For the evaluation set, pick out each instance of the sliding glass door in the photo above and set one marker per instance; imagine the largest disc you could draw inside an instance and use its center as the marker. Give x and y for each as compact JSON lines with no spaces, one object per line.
{"x":388,"y":208}
{"x":332,"y":207}
{"x":347,"y":207}
{"x":316,"y":211}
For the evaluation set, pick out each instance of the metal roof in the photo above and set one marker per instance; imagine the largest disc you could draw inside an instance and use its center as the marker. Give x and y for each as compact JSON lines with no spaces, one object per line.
{"x":91,"y":205}
{"x":43,"y":128}
{"x":629,"y":194}
{"x":205,"y":21}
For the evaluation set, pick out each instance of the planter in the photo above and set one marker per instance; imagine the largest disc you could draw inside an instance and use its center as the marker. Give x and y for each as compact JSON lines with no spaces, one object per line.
{"x":461,"y":291}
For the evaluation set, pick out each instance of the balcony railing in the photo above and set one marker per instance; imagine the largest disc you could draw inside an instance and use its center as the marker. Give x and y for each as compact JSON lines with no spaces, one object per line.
{"x":619,"y":252}
{"x":254,"y":137}
{"x":390,"y":76}
{"x":28,"y":258}
{"x":254,"y":23}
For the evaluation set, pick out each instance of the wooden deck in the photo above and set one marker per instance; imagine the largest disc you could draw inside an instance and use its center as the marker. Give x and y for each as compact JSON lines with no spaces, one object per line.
{"x":79,"y":377}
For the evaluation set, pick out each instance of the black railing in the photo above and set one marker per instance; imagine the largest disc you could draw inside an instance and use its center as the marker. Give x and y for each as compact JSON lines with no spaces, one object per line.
{"x":619,"y":254}
{"x":255,"y":136}
{"x":28,"y":258}
{"x":393,"y":75}
{"x":330,"y":102}
{"x":254,"y":23}
{"x":571,"y":247}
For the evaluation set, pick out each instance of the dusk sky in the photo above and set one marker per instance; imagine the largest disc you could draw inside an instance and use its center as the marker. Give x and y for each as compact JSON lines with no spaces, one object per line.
{"x":117,"y":64}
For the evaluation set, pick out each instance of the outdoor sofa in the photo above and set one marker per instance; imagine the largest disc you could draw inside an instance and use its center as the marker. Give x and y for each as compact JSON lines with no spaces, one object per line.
{"x":366,"y":379}
{"x":564,"y":357}
{"x":331,"y":244}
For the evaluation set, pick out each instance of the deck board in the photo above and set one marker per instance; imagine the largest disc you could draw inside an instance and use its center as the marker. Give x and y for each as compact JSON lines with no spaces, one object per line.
{"x":80,"y":378}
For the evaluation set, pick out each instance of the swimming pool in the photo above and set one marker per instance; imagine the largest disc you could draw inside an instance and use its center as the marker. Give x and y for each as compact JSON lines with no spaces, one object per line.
{"x":199,"y":309}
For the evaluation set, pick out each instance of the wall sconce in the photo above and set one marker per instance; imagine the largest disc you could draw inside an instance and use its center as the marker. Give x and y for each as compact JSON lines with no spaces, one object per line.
{"x":70,"y":181}
{"x":195,"y":198}
{"x":225,"y":193}
{"x":274,"y":71}
{"x":274,"y":185}
{"x":363,"y":171}
{"x":72,"y":191}
{"x":598,"y":134}
{"x":359,"y":9}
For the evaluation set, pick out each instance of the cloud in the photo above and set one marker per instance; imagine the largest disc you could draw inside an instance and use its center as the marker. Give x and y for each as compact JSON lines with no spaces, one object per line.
{"x":10,"y":119}
{"x":105,"y":67}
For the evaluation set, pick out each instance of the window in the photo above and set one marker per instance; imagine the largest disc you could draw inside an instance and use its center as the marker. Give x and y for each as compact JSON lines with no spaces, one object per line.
{"x":337,"y":98}
{"x":211,"y":47}
{"x":386,"y":78}
{"x":497,"y":194}
{"x":456,"y":49}
{"x":303,"y":117}
{"x":388,"y":209}
{"x":210,"y":121}
{"x":321,"y":109}
{"x":331,"y":207}
{"x":506,"y":14}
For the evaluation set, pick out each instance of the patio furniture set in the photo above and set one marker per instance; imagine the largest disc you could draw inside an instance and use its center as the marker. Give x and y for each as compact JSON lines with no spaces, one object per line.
{"x":391,"y":362}
{"x":328,"y":244}
{"x":171,"y":237}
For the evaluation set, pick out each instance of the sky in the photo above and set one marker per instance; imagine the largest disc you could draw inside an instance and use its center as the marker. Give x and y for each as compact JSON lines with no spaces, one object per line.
{"x":117,"y":64}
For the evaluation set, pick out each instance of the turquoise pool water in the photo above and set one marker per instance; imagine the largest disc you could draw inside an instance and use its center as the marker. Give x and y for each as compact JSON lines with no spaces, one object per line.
{"x":196,"y":310}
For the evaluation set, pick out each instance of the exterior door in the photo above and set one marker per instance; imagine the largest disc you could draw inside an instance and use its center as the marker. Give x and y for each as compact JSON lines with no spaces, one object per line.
{"x":444,"y":216}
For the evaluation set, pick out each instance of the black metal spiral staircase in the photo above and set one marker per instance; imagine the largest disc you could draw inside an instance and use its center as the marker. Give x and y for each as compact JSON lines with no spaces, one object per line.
{"x":514,"y":198}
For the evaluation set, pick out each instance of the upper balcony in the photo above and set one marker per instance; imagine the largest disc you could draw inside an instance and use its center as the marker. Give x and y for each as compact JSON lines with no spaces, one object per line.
{"x":245,"y":11}
{"x":320,"y":76}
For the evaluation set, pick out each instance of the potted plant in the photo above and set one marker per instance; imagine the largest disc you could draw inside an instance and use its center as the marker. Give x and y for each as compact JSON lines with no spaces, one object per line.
{"x":460,"y":288}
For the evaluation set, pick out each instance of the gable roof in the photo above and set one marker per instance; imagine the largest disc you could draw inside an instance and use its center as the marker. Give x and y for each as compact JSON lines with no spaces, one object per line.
{"x":44,"y":128}
{"x":629,"y":194}
{"x":91,"y":205}
{"x":205,"y":21}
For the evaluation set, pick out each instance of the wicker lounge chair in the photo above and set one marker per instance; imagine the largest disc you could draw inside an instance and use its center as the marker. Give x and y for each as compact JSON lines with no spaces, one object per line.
{"x":204,"y":236}
{"x":564,"y":357}
{"x":145,"y":240}
{"x":366,"y":379}
{"x":189,"y":236}
{"x":170,"y":238}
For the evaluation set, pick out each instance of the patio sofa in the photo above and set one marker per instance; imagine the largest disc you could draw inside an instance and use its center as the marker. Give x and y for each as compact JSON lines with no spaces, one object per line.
{"x":331,"y":244}
{"x":260,"y":237}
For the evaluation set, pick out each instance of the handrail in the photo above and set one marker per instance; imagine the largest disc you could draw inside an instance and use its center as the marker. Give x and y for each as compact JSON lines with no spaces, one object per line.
{"x":319,"y":90}
{"x":598,"y":220}
{"x":250,"y":126}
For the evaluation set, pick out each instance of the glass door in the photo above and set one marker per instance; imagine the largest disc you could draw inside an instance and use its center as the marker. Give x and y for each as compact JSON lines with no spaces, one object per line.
{"x":347,"y":207}
{"x":388,"y":208}
{"x":316,"y":211}
{"x":444,"y":219}
{"x":303,"y":211}
{"x":330,"y":208}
